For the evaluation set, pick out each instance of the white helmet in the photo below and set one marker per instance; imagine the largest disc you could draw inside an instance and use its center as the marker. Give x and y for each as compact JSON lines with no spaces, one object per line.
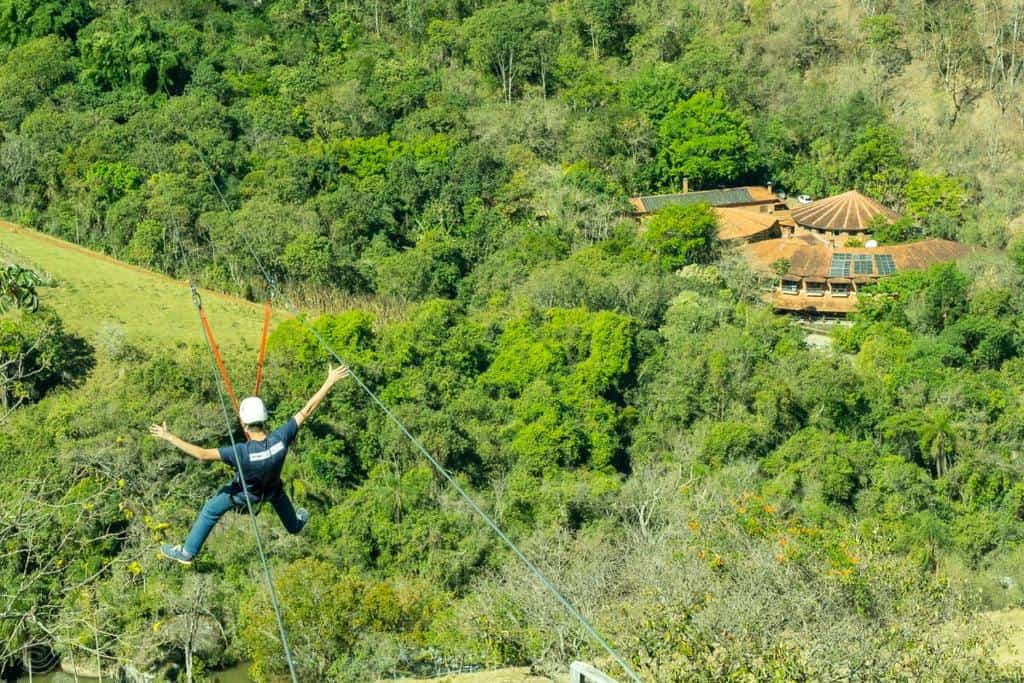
{"x":252,"y":411}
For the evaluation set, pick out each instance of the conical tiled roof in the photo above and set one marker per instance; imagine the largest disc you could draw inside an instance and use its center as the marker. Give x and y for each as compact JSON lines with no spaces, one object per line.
{"x":849,"y":211}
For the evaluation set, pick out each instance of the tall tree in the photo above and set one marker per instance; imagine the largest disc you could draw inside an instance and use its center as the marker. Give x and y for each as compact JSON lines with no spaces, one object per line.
{"x":502,"y":40}
{"x":706,"y":141}
{"x":603,"y":23}
{"x":956,"y":52}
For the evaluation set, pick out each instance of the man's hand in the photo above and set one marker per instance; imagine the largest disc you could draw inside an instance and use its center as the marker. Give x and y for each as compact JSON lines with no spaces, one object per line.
{"x":337,"y":374}
{"x":160,"y":431}
{"x":334,"y":375}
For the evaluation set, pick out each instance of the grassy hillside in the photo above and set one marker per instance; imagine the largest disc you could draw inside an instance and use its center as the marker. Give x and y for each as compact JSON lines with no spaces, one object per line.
{"x":95,"y":294}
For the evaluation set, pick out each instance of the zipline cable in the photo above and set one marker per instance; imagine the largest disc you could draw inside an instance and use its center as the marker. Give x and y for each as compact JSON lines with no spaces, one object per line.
{"x":245,"y":490}
{"x":222,"y":376}
{"x":598,"y":638}
{"x":274,"y":291}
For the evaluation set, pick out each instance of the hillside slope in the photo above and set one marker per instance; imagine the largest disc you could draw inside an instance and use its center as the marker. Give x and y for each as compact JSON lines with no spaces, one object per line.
{"x":151,"y":310}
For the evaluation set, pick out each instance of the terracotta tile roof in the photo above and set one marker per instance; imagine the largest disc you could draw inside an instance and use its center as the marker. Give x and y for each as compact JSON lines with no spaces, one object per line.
{"x":762,"y":255}
{"x":730,"y":196}
{"x":921,"y":255}
{"x":740,"y":223}
{"x":815,"y":260}
{"x":759,"y":193}
{"x":811,"y":261}
{"x":849,"y":211}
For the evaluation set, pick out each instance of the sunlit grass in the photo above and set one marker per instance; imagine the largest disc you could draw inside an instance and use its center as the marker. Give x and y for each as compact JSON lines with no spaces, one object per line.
{"x":1009,"y":623}
{"x":94,"y":295}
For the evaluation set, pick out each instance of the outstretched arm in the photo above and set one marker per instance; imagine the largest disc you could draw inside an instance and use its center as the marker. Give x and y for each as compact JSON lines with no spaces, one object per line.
{"x":160,"y":431}
{"x":333,"y":376}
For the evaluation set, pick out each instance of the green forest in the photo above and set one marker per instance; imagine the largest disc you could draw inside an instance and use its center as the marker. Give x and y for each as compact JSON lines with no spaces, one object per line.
{"x":443,"y":186}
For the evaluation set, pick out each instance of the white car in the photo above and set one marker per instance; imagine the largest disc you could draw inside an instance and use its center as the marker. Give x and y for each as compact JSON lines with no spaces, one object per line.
{"x":804,"y":199}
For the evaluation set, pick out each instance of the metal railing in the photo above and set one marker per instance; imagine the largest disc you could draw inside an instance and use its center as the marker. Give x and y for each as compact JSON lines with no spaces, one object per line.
{"x":580,"y":672}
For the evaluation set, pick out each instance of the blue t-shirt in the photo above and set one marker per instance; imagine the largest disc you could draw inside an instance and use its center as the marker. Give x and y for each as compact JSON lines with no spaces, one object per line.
{"x":261,"y":461}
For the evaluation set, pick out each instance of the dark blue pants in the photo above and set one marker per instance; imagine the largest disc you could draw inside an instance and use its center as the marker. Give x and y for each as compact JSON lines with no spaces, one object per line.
{"x":222,"y":502}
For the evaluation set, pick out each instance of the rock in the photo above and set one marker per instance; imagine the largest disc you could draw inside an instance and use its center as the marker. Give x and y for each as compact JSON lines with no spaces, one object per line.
{"x":87,"y":669}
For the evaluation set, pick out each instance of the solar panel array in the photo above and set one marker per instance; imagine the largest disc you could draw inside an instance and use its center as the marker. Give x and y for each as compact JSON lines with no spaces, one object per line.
{"x":885,"y":264}
{"x":862,"y":264}
{"x":840,"y":266}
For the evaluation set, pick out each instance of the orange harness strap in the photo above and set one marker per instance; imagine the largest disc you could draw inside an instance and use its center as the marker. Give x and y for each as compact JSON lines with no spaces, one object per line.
{"x":216,"y":355}
{"x":263,"y":348}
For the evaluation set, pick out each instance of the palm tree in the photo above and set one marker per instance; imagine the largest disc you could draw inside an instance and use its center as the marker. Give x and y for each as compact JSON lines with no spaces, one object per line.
{"x":937,"y":438}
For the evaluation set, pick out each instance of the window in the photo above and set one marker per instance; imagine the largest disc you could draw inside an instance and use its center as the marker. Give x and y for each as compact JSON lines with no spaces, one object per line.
{"x":815,"y":289}
{"x":884,"y":264}
{"x":840,"y":289}
{"x":840,"y":266}
{"x":790,"y":287}
{"x":862,"y":264}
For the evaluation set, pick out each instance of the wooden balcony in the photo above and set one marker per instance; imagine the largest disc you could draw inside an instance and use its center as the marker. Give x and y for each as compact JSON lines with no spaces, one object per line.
{"x":802,"y":303}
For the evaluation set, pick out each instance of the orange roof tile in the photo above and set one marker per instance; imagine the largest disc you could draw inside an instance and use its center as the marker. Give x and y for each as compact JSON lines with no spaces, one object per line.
{"x":814,"y":261}
{"x":849,"y":211}
{"x":762,"y":255}
{"x":759,"y":193}
{"x":727,"y":196}
{"x":739,"y":223}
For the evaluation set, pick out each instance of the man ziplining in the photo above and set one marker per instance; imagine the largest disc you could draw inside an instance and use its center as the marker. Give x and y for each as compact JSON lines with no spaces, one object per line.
{"x":260,"y":460}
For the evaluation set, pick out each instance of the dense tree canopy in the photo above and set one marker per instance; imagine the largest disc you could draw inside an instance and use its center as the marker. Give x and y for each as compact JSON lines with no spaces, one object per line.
{"x":703,"y":140}
{"x":445,"y":185}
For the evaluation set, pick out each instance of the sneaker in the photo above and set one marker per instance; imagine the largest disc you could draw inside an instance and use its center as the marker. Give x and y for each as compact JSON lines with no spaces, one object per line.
{"x":303,"y":516}
{"x":176,"y":552}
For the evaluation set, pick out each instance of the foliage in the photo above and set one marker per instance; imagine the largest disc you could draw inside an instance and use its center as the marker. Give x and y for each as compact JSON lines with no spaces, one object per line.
{"x":704,"y":140}
{"x":938,"y":202}
{"x":896,"y":232}
{"x":340,"y":614}
{"x":18,"y":289}
{"x":680,"y":235}
{"x":501,"y":39}
{"x":36,"y":356}
{"x":447,"y":183}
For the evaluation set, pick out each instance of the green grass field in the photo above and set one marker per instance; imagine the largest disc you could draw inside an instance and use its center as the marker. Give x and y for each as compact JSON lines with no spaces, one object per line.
{"x":93,"y":292}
